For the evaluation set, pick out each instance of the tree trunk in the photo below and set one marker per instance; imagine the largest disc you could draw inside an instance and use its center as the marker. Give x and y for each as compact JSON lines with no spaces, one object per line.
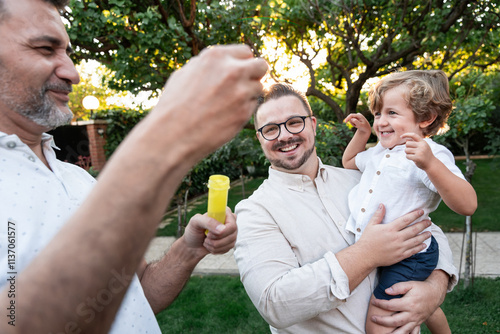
{"x":468,"y":251}
{"x":469,"y":259}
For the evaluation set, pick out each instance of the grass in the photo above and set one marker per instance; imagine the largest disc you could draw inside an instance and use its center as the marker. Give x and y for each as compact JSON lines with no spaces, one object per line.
{"x":212,"y":304}
{"x":219,"y":304}
{"x":474,"y":310}
{"x":486,"y":182}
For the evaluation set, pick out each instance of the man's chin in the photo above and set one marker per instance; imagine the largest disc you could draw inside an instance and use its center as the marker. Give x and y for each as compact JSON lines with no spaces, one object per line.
{"x":56,"y":119}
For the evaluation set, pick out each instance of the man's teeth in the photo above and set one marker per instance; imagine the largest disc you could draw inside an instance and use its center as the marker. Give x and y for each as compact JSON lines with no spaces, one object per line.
{"x":289,"y":148}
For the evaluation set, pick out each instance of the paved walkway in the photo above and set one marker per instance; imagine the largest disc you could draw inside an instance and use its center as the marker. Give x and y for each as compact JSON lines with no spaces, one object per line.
{"x":487,"y":248}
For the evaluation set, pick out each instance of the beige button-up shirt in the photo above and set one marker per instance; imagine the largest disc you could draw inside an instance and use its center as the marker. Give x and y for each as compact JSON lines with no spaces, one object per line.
{"x":288,"y":233}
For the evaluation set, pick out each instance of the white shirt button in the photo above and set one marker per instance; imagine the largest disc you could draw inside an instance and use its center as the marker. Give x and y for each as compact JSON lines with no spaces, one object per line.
{"x":11,"y":144}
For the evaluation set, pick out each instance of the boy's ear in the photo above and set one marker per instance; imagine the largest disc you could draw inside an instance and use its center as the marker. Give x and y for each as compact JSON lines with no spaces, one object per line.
{"x":428,"y":122}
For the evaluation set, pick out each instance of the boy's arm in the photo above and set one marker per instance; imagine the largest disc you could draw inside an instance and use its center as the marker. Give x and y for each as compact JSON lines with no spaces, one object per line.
{"x":358,"y":142}
{"x":457,"y":193}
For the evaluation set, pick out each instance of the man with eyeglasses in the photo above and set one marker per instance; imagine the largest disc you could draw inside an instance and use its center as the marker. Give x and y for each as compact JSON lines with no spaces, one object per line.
{"x":71,"y":251}
{"x":299,"y":266}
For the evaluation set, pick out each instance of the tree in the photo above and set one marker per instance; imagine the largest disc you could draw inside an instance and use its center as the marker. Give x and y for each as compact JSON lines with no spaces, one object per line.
{"x":91,"y":83}
{"x":143,"y":42}
{"x":368,"y":39}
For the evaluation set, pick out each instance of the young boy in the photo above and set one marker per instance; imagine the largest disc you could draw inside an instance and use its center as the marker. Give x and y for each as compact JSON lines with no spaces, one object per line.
{"x":405,"y":171}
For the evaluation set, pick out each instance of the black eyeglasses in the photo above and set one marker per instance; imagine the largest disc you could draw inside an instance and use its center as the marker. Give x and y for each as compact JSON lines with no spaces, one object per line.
{"x":294,"y":125}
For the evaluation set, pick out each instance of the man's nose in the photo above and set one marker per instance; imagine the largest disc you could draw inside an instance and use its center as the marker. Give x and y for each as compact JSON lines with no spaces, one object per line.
{"x":66,"y":70}
{"x":284,"y":133}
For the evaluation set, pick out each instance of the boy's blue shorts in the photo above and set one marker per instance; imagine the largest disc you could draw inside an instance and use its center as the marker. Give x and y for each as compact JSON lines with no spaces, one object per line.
{"x":415,"y":268}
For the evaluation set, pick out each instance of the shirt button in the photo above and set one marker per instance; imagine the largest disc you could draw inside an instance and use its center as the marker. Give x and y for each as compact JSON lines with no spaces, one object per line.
{"x":363,"y":210}
{"x":378,"y":172}
{"x":388,"y":156}
{"x":358,"y":229}
{"x":11,"y":144}
{"x":31,"y":158}
{"x":370,"y":191}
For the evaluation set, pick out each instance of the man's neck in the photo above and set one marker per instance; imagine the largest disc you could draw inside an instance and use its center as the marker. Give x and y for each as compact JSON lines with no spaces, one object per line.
{"x":309,"y":168}
{"x":28,"y":132}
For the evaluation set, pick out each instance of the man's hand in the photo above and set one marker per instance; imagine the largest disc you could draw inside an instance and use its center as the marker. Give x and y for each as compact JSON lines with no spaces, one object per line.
{"x":220,"y":238}
{"x":420,"y":300}
{"x":383,"y":245}
{"x":211,"y":97}
{"x":390,"y":243}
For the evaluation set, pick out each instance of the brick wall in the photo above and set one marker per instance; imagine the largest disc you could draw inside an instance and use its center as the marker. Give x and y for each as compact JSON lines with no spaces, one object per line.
{"x":96,"y":130}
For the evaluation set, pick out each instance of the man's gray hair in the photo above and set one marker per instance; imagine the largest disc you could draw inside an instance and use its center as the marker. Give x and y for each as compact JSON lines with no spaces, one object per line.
{"x":59,"y":4}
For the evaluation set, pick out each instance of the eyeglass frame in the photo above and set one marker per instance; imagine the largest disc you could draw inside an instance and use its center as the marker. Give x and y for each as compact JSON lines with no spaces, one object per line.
{"x":284,"y":124}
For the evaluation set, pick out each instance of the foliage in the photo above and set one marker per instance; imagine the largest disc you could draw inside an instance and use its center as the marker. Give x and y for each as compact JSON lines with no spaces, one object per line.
{"x":242,"y":151}
{"x":473,"y":110}
{"x":342,"y":45}
{"x":365,"y":39}
{"x":120,"y":122}
{"x":90,"y":84}
{"x":143,"y":42}
{"x":331,"y":141}
{"x":199,"y":205}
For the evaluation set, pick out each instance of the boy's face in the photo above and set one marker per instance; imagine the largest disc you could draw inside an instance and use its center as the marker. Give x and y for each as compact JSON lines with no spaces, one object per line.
{"x":395,"y":119}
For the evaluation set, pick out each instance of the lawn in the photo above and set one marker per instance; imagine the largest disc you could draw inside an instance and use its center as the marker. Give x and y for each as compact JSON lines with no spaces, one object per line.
{"x":486,"y":182}
{"x":219,"y":304}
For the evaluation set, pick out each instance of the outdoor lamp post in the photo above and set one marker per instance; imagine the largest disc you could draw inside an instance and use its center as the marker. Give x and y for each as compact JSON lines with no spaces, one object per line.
{"x":90,"y":103}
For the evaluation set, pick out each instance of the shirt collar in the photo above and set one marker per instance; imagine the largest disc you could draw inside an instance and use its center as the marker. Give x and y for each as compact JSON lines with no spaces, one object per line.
{"x":297,"y":182}
{"x":47,"y":140}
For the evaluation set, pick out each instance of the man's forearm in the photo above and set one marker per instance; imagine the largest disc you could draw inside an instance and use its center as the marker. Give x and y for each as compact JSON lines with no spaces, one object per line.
{"x":440,"y":280}
{"x":162,"y":281}
{"x":111,"y":242}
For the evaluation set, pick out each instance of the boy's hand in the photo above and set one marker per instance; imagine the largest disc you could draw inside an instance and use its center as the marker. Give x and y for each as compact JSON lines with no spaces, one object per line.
{"x":417,"y":150}
{"x":359,"y":122}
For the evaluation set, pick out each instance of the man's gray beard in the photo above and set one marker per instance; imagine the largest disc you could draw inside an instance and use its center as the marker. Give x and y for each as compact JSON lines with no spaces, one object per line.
{"x":48,"y":114}
{"x":37,"y":106}
{"x":284,"y":164}
{"x":40,"y":109}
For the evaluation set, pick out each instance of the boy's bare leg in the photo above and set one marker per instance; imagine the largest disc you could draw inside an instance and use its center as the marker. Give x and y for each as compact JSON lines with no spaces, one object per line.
{"x":437,"y":323}
{"x":373,"y":328}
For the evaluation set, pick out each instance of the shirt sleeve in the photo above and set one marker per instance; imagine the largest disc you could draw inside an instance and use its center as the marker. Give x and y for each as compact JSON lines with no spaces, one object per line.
{"x":446,"y":157}
{"x":283,"y":292}
{"x":360,"y":160}
{"x":445,"y":261}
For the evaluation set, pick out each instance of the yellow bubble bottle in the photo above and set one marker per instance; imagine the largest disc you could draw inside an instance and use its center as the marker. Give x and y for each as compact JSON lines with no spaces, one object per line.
{"x":218,"y":186}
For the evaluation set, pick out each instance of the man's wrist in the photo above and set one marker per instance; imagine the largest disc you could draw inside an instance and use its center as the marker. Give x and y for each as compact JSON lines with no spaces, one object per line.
{"x":186,"y":254}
